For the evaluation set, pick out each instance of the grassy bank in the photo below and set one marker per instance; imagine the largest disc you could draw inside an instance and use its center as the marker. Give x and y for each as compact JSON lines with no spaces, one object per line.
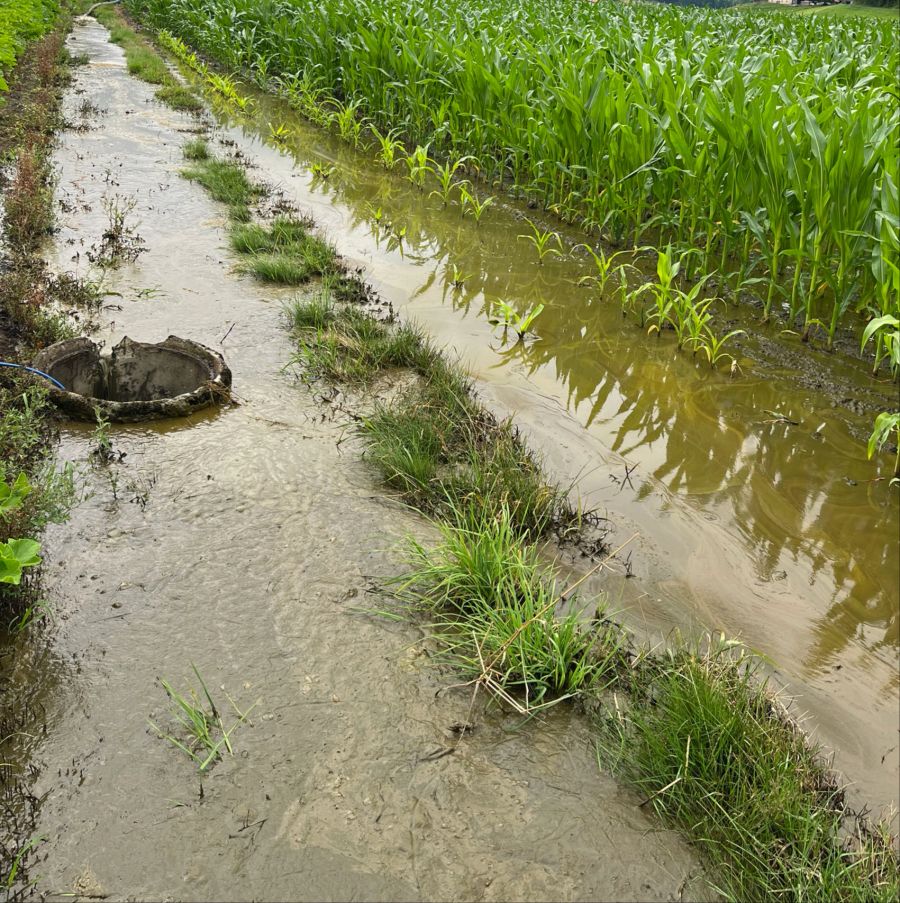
{"x":32,"y":493}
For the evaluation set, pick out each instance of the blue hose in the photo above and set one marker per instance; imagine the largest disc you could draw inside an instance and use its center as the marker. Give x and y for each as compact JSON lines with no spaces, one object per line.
{"x":55,"y":382}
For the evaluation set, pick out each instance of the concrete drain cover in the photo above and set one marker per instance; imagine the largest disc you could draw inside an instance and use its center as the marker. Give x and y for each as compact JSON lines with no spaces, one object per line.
{"x":136,"y":380}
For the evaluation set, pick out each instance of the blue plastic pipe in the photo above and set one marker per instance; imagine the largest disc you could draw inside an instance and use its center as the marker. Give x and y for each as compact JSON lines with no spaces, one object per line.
{"x":55,"y":382}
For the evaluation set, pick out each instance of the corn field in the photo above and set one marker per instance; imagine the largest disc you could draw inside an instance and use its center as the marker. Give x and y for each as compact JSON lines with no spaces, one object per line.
{"x":768,"y":143}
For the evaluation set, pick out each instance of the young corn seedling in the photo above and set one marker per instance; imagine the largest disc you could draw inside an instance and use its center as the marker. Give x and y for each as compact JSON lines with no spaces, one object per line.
{"x":417,"y":164}
{"x":885,"y":331}
{"x":457,"y":278}
{"x":713,"y":347}
{"x":348,"y":124}
{"x":445,"y":175}
{"x":604,"y":264}
{"x":541,"y":241}
{"x":280,"y":133}
{"x":389,"y":147}
{"x":505,"y":315}
{"x":200,"y":720}
{"x":321,"y":171}
{"x":470,"y":205}
{"x":887,"y":424}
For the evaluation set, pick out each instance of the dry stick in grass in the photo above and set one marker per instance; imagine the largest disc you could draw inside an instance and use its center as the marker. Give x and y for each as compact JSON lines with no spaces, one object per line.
{"x":484,"y":677}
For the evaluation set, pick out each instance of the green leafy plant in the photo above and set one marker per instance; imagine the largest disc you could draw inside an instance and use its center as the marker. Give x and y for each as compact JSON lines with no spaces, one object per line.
{"x":16,"y":554}
{"x":418,"y":165}
{"x":279,"y":133}
{"x":389,"y":147}
{"x":470,"y":205}
{"x":885,"y":331}
{"x":604,"y":264}
{"x":713,"y":347}
{"x":541,"y":240}
{"x":446,"y":176}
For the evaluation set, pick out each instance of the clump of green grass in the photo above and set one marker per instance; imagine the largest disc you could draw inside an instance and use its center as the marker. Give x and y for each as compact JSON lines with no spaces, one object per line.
{"x":201,"y":722}
{"x":146,"y":65}
{"x":345,"y":344}
{"x":179,"y":98}
{"x":226,"y":181}
{"x":196,"y":149}
{"x":284,"y":252}
{"x":709,"y":746}
{"x":493,"y":606}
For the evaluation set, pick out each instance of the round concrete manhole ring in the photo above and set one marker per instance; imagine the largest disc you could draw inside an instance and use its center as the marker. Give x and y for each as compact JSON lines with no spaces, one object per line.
{"x":136,"y":381}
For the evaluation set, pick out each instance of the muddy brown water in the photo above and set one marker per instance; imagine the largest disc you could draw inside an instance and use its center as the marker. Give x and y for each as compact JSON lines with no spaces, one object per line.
{"x":242,"y":541}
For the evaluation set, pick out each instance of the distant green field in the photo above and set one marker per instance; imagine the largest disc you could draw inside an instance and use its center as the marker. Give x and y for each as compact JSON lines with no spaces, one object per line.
{"x":842,"y":9}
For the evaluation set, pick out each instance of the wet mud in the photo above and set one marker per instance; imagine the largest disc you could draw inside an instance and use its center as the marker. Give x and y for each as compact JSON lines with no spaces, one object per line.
{"x":246,"y":540}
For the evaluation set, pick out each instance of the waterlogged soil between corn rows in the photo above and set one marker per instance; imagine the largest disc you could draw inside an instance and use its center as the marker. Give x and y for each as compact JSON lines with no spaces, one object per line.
{"x":241,"y":541}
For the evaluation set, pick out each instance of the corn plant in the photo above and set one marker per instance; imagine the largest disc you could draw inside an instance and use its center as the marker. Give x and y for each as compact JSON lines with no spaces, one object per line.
{"x":886,"y":333}
{"x":418,"y":165}
{"x":456,"y":278}
{"x":347,"y":122}
{"x":471,"y":206}
{"x":887,"y":425}
{"x":446,"y":177}
{"x":541,"y":240}
{"x":713,"y":347}
{"x":389,"y":147}
{"x":604,"y":264}
{"x":505,"y":315}
{"x":279,"y":133}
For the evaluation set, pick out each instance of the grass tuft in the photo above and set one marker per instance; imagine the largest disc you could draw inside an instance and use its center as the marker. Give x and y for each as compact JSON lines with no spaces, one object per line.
{"x":707,"y":743}
{"x":201,"y":722}
{"x":226,"y":182}
{"x":196,"y":149}
{"x":493,"y":607}
{"x":179,"y":98}
{"x":284,"y":252}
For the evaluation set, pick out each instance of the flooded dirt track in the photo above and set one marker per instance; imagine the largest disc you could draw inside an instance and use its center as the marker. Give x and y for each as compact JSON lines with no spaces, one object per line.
{"x":241,"y":541}
{"x":758,"y":512}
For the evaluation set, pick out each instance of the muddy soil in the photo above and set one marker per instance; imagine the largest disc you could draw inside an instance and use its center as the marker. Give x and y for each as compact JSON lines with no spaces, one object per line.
{"x":245,"y":541}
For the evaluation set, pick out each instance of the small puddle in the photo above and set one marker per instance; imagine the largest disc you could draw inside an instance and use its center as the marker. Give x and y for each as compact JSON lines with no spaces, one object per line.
{"x":758,"y":511}
{"x":241,"y":540}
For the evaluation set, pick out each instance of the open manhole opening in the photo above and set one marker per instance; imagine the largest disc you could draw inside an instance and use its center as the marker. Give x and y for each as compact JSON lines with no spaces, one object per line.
{"x":135,"y":380}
